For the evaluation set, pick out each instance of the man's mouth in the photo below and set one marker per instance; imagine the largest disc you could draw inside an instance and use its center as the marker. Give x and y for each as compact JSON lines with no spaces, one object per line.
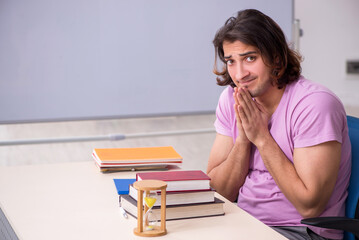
{"x":244,"y":83}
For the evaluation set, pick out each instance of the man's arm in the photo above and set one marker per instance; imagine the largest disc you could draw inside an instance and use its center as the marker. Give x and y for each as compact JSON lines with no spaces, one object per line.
{"x":228,"y":165}
{"x":309,"y":181}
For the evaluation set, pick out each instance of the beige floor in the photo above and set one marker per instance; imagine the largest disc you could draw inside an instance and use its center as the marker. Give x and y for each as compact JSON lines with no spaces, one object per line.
{"x":194,"y":148}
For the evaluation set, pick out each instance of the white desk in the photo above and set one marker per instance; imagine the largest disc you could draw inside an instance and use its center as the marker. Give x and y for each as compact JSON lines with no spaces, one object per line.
{"x":77,"y":201}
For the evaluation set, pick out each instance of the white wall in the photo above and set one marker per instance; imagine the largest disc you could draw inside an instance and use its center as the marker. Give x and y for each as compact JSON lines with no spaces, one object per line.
{"x":331,"y":36}
{"x":115,"y":58}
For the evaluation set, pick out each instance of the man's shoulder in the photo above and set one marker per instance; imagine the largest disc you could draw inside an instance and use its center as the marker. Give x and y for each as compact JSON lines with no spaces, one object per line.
{"x":304,"y":88}
{"x":313,"y":98}
{"x":303,"y":85}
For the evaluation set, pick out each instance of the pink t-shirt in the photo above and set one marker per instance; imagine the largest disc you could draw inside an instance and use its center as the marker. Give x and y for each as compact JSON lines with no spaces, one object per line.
{"x":308,"y":114}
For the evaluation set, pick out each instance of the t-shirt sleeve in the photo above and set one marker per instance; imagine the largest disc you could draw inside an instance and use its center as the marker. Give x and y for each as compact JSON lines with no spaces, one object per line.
{"x":318,"y":118}
{"x":224,"y":113}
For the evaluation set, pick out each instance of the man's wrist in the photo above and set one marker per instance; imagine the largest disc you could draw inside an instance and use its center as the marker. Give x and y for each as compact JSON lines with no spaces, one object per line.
{"x":242,"y":142}
{"x":263,"y":142}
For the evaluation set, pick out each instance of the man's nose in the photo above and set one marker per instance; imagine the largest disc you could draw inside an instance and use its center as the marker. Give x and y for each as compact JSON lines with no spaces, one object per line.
{"x":241,"y":72}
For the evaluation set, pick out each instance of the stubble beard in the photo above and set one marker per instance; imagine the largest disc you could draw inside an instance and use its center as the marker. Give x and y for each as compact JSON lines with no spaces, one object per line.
{"x":261,"y":89}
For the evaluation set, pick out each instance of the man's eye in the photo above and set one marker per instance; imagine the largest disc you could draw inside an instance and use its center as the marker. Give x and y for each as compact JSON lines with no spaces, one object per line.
{"x":251,"y":58}
{"x":229,"y":62}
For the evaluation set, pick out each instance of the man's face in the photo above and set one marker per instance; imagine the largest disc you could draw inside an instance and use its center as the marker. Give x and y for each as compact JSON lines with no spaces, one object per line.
{"x":246,"y":67}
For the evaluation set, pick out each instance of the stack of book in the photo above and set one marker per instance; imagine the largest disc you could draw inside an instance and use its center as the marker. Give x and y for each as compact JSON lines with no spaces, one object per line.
{"x":127,"y":159}
{"x":188,"y":195}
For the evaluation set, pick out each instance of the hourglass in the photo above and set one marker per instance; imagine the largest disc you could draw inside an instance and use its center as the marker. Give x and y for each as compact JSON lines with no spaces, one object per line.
{"x":146,"y":221}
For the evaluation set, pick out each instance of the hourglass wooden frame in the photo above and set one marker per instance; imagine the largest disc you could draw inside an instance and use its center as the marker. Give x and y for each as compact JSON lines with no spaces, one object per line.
{"x":145,"y":186}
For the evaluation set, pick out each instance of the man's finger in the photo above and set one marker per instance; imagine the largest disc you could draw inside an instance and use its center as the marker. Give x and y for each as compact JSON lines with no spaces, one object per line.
{"x":247,"y":98}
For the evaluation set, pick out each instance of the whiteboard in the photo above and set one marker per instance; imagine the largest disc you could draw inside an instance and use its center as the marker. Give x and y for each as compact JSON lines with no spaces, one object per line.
{"x":80,"y":59}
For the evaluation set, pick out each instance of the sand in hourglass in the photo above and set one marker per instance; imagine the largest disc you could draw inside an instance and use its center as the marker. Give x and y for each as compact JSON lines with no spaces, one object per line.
{"x":150,"y":201}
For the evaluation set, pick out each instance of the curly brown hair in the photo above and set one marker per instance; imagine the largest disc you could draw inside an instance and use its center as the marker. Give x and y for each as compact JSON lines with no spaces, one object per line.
{"x":254,"y":28}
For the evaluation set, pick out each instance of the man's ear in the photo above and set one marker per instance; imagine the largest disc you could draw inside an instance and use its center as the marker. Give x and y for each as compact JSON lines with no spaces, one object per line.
{"x":277,"y":62}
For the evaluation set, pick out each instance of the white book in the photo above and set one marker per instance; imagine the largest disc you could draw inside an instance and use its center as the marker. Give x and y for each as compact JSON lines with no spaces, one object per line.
{"x":179,"y":198}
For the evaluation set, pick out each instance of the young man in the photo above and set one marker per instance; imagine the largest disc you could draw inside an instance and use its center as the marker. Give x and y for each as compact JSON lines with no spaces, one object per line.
{"x":282,"y":148}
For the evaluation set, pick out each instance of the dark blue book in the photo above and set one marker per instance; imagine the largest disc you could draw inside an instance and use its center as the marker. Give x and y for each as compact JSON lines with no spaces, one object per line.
{"x":122,"y":185}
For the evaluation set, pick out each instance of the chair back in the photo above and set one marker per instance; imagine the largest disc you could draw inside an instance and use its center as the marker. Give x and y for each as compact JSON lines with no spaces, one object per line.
{"x":352,"y":206}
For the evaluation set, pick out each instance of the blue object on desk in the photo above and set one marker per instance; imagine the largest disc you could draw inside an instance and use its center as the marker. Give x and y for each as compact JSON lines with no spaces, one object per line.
{"x":122,"y":185}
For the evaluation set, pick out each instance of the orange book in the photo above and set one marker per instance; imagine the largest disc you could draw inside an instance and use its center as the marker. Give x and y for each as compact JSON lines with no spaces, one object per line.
{"x":148,"y":155}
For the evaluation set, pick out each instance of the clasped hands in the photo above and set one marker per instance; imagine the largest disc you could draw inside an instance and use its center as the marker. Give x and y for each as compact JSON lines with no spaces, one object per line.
{"x":252,"y":118}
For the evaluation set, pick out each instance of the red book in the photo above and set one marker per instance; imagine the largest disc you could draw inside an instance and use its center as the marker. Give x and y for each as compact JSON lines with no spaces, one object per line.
{"x":179,"y":180}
